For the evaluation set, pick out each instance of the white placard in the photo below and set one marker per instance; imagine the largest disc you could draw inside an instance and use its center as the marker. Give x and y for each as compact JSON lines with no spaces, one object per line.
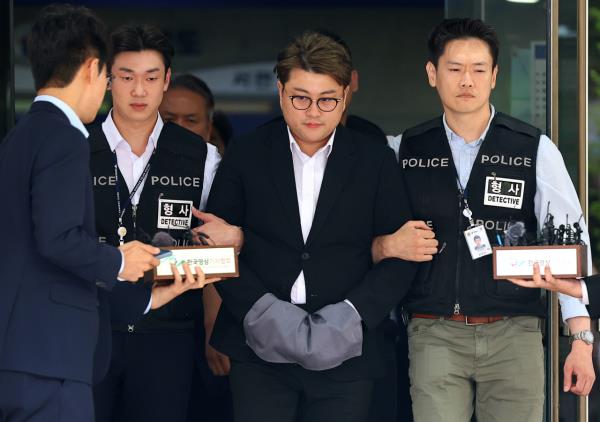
{"x":219,"y":261}
{"x":519,"y":262}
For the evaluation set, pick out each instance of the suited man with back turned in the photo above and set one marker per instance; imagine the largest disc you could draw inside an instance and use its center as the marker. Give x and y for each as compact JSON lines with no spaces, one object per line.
{"x":52,"y":264}
{"x":303,"y":322}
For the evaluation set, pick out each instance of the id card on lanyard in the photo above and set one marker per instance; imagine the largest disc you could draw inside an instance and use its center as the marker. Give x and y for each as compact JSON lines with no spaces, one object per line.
{"x":121,"y":208}
{"x":475,"y":235}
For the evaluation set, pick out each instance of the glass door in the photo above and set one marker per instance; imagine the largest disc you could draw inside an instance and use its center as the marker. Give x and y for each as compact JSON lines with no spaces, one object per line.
{"x":543,"y":80}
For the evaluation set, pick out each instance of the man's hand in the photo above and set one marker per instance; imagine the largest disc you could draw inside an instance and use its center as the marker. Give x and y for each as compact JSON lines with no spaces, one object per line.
{"x":414,"y":241}
{"x":218,"y":231}
{"x":137,"y":259}
{"x":571,"y":287}
{"x":163,"y":294}
{"x":579,"y":364}
{"x":218,"y":363}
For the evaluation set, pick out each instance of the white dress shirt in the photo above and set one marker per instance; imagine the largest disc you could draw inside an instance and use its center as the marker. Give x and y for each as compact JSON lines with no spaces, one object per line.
{"x":74,"y":119}
{"x":308,"y":172}
{"x":553,"y":184}
{"x":585,"y":297}
{"x":132,"y":166}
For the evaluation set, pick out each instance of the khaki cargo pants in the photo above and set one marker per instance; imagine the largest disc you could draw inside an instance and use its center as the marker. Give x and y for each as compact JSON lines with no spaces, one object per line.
{"x":496,"y":370}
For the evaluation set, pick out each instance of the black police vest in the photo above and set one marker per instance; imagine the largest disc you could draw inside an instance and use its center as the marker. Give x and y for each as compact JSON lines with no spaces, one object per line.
{"x":453,"y":281}
{"x":176,"y":173}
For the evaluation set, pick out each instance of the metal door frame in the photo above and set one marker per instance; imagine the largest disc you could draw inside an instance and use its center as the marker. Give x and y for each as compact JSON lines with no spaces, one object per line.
{"x":553,"y":321}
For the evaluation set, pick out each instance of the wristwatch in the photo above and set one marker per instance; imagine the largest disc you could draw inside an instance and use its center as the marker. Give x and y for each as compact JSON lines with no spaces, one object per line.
{"x":586,"y":336}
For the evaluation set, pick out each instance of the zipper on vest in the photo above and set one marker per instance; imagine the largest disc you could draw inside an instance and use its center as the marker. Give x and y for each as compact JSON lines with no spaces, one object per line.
{"x":459,"y":246}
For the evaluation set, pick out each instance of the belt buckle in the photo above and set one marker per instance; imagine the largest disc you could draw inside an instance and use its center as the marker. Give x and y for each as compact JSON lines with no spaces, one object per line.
{"x":472,"y":324}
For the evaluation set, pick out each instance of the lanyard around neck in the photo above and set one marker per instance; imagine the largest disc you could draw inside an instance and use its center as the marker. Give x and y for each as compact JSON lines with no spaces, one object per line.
{"x":121,"y":230}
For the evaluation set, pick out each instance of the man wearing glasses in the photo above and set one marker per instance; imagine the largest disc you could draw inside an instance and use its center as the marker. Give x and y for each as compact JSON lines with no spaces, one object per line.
{"x":302,"y":324}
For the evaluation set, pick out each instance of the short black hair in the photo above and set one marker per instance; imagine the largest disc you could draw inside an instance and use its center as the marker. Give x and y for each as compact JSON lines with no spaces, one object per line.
{"x":195,"y":84}
{"x":139,"y":38}
{"x":462,"y":28}
{"x":61,"y":39}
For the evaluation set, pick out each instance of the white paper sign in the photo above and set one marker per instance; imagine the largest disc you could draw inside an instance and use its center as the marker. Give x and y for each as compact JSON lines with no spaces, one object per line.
{"x":519,"y":262}
{"x":213,"y":261}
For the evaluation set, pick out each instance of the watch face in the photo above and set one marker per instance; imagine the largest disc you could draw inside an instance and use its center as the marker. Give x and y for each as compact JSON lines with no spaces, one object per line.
{"x":588,"y":337}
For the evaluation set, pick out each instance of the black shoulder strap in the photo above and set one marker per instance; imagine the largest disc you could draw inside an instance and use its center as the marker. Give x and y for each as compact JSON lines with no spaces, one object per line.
{"x":97,"y":139}
{"x":422,"y":128}
{"x":182,"y":141}
{"x":501,"y":119}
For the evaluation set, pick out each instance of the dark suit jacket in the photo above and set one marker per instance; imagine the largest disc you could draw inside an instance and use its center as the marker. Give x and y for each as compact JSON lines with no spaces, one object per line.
{"x":51,"y":261}
{"x":367,"y":128}
{"x":360,"y":198}
{"x":593,"y":287}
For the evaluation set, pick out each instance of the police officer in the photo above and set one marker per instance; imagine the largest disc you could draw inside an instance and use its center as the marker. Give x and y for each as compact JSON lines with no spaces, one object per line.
{"x":475,"y":343}
{"x":190,"y":103}
{"x":147,"y":177}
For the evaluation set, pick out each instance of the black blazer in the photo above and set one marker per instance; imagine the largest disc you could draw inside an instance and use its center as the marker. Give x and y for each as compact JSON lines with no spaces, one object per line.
{"x":51,"y":261}
{"x":593,"y":287}
{"x":361,"y":197}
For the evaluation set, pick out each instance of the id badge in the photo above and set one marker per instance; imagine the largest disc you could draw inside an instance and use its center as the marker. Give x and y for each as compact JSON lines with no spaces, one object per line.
{"x":503,"y":192}
{"x":174,"y":214}
{"x":477,"y":239}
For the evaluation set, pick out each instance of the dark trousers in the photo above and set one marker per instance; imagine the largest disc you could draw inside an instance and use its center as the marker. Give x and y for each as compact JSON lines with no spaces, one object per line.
{"x":210,"y":398}
{"x":265,"y":392}
{"x":32,"y":398}
{"x":391,"y":394}
{"x":404,"y":408}
{"x":384,"y":402}
{"x":149,"y":379}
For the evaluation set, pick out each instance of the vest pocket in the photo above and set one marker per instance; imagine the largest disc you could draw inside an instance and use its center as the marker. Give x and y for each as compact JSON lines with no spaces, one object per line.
{"x":508,"y":289}
{"x":502,"y":289}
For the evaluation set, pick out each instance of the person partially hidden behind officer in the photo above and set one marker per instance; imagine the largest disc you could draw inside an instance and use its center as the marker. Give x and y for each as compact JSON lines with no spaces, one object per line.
{"x":309,"y":195}
{"x":54,"y":272}
{"x":352,"y":121}
{"x":475,"y":343}
{"x":190,"y":103}
{"x":148,"y":176}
